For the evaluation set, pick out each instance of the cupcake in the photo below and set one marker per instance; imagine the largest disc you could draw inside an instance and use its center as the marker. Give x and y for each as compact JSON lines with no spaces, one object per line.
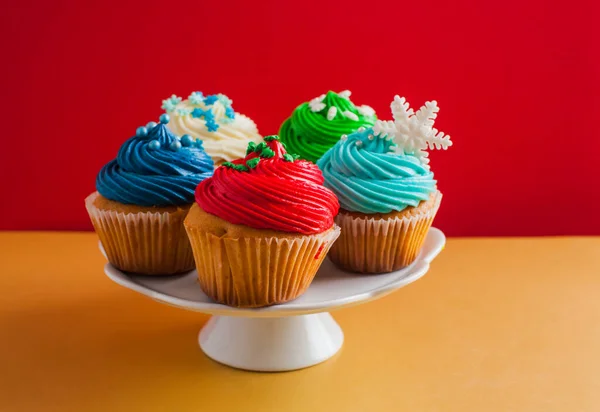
{"x":211,"y":118}
{"x":388,"y":195}
{"x":261,"y":227}
{"x":142,"y":198}
{"x":317,"y":125}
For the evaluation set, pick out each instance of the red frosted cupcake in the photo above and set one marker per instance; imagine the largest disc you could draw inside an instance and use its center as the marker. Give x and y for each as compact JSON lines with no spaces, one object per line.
{"x":261,"y":227}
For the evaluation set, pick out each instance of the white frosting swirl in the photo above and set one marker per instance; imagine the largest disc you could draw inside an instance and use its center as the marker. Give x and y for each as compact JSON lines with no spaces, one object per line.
{"x":228,"y":142}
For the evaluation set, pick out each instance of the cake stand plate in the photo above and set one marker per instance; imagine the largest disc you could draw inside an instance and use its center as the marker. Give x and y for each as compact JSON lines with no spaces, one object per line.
{"x":290,"y":336}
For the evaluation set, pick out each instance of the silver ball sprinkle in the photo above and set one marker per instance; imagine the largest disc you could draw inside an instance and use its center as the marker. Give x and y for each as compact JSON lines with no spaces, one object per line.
{"x":175,"y":146}
{"x":154,"y":145}
{"x":141,"y":131}
{"x":150,"y":125}
{"x":359,"y":143}
{"x":344,"y":137}
{"x":187,"y":140}
{"x":371,"y":137}
{"x":361,"y":129}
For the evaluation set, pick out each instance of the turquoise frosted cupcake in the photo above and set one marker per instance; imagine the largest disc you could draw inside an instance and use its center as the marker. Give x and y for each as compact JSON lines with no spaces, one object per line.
{"x":387,"y":192}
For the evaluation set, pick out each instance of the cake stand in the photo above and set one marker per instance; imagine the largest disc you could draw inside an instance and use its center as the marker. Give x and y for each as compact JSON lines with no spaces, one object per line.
{"x":294,"y":335}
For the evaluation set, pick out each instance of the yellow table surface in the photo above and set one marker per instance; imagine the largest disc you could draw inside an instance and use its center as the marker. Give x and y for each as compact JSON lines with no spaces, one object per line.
{"x":505,"y":324}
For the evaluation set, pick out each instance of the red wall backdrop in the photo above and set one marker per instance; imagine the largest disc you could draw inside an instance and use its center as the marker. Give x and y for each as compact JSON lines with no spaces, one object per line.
{"x":517,"y":82}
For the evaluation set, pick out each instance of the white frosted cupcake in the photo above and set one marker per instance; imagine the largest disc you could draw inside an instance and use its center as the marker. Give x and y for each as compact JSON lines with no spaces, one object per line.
{"x":211,"y":118}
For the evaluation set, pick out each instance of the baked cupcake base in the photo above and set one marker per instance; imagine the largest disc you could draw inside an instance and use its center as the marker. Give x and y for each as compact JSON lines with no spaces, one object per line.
{"x":382,"y":243}
{"x":245,"y":267}
{"x":143,"y":240}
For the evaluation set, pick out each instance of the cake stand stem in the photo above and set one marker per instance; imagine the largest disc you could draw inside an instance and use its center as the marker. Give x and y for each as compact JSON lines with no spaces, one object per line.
{"x":271,"y":344}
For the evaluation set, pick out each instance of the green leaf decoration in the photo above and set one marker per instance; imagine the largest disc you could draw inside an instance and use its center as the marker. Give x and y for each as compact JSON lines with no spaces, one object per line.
{"x":252,"y":163}
{"x":260,"y":147}
{"x":271,"y":138}
{"x":251,"y":148}
{"x":240,"y":168}
{"x":267,"y":152}
{"x":288,"y":157}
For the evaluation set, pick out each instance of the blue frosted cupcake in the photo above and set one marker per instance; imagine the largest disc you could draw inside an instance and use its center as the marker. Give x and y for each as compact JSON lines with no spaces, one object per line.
{"x":387,"y":193}
{"x":144,"y":195}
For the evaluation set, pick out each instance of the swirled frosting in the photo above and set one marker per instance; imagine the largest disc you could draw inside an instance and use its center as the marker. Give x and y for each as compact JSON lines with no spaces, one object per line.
{"x":224,"y":132}
{"x":368,"y":176}
{"x":155,"y":168}
{"x":317,"y":125}
{"x":270,"y":189}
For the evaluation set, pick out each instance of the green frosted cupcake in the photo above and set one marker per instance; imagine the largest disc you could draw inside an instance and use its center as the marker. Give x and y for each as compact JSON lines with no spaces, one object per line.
{"x":316,"y":126}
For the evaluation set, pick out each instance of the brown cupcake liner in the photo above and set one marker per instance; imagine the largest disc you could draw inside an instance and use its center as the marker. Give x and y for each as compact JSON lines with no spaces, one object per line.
{"x":369,"y":245}
{"x":252,"y":272}
{"x":149,"y":243}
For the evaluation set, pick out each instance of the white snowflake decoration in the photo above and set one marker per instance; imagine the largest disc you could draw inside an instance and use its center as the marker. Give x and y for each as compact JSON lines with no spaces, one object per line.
{"x":413,"y":132}
{"x":316,"y":104}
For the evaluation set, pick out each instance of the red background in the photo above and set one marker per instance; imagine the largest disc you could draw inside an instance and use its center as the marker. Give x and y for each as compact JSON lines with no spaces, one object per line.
{"x":517,"y":83}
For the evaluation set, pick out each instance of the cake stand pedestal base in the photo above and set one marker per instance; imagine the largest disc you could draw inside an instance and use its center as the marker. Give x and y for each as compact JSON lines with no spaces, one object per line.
{"x":293,"y":335}
{"x":271,"y":344}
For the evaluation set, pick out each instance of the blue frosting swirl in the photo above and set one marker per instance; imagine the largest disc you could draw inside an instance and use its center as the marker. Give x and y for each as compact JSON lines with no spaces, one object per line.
{"x":368,"y":176}
{"x":155,"y":168}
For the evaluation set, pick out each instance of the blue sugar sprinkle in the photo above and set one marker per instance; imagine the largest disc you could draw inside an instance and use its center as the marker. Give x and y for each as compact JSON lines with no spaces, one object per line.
{"x":211,"y":125}
{"x":203,"y":114}
{"x":198,"y":113}
{"x":211,"y":99}
{"x":208,"y":116}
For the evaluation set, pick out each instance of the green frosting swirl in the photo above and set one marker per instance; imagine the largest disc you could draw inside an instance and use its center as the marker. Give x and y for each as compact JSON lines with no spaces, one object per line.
{"x":310,"y":134}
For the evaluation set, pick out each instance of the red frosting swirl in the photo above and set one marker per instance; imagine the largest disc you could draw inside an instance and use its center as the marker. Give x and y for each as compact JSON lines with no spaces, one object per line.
{"x":278,"y":193}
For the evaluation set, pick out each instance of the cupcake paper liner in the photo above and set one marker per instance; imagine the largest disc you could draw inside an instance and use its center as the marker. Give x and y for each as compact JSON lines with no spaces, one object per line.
{"x":251,"y":272}
{"x":150,"y":243}
{"x":369,"y":245}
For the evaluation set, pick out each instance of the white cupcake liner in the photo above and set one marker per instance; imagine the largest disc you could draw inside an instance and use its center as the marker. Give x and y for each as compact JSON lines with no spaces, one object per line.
{"x":151,"y":243}
{"x":371,"y":245}
{"x":254,"y":271}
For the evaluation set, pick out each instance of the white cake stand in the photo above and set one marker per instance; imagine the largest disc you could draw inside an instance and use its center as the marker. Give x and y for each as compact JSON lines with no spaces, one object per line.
{"x":284,"y":337}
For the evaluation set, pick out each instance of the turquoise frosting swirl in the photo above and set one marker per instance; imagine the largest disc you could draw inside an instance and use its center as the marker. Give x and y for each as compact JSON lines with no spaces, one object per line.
{"x":368,"y":176}
{"x":155,"y":168}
